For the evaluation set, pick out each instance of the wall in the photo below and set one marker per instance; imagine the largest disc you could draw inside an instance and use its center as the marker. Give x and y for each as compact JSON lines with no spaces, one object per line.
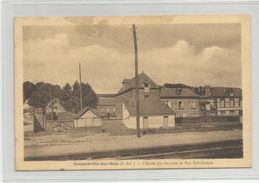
{"x":187,"y":111}
{"x":153,"y":122}
{"x":89,"y":119}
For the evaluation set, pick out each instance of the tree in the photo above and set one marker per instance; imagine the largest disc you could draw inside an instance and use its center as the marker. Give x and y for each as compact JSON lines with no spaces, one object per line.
{"x":89,"y":96}
{"x":39,"y":95}
{"x":28,"y":89}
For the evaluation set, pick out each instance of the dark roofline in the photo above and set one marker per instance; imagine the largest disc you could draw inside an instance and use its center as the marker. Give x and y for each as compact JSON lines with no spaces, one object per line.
{"x":106,"y":95}
{"x":124,"y":91}
{"x":180,"y":97}
{"x":80,"y":113}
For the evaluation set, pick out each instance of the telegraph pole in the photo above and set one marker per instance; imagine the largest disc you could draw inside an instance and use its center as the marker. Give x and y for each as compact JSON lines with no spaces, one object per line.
{"x":80,"y":83}
{"x":136,"y":79}
{"x":50,"y":98}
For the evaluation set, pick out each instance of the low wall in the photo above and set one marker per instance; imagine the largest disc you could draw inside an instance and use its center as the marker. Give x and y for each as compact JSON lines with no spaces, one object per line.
{"x":208,"y":119}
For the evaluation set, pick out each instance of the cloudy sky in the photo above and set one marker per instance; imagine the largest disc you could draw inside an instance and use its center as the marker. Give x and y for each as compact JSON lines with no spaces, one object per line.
{"x":193,"y":54}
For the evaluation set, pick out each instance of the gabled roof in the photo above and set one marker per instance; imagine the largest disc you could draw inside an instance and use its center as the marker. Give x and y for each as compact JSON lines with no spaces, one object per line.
{"x":84,"y":110}
{"x":131,"y":83}
{"x":149,"y":108}
{"x":55,"y":100}
{"x":167,"y":93}
{"x":224,"y":92}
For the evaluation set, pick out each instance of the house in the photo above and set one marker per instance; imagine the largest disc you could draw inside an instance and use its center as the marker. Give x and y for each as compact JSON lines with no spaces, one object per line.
{"x":221,"y":101}
{"x":109,"y":107}
{"x":87,"y":117}
{"x":153,"y":114}
{"x":148,"y":89}
{"x":183,"y":101}
{"x":55,"y":110}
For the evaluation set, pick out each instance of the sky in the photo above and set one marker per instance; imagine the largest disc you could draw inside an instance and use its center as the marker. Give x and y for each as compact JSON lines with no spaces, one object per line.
{"x":193,"y":54}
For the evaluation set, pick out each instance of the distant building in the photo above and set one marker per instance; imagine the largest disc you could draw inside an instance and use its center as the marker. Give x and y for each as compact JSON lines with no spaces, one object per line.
{"x":56,"y":109}
{"x":109,"y":107}
{"x":183,"y":101}
{"x":87,"y":117}
{"x":221,"y":101}
{"x":153,"y":114}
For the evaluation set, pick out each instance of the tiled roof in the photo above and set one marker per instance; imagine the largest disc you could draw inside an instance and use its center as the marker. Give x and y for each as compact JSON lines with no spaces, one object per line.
{"x":177,"y":93}
{"x":149,"y":108}
{"x":130,"y":83}
{"x":84,"y":110}
{"x":224,"y":92}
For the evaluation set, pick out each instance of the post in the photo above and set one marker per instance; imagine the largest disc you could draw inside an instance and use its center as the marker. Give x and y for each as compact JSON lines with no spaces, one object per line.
{"x":51,"y":103}
{"x":80,"y":83}
{"x":136,"y":79}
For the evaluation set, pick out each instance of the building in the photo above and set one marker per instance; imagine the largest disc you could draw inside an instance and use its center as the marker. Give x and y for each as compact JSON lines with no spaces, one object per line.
{"x":183,"y":101}
{"x":55,"y":110}
{"x":148,"y":89}
{"x":221,"y":101}
{"x":87,"y":117}
{"x":109,"y":107}
{"x":153,"y":114}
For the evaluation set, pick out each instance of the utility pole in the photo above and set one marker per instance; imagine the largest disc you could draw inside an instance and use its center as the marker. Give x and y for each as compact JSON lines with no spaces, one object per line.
{"x":50,"y":98}
{"x":80,"y":83}
{"x":136,"y":79}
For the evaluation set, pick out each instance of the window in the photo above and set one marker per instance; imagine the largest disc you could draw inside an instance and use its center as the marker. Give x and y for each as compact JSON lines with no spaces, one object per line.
{"x":193,"y":104}
{"x":218,"y":113}
{"x":113,"y":109}
{"x":211,"y":102}
{"x":236,"y":102}
{"x":145,"y":122}
{"x":222,"y":103}
{"x":146,"y":86}
{"x":146,"y":97}
{"x":178,"y":91}
{"x":232,"y":113}
{"x":218,"y":102}
{"x":212,"y":114}
{"x":222,"y":113}
{"x":108,"y":110}
{"x":231,"y":103}
{"x":227,"y":113}
{"x":180,"y":105}
{"x":227,"y":102}
{"x":236,"y":113}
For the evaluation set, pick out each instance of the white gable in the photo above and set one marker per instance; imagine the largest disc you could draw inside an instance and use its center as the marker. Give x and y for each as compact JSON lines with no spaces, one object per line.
{"x":88,"y":114}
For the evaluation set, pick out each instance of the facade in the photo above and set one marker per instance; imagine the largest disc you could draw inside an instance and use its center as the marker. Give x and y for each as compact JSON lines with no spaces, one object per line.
{"x":87,"y":117}
{"x":221,"y":101}
{"x":183,"y":101}
{"x":153,"y":114}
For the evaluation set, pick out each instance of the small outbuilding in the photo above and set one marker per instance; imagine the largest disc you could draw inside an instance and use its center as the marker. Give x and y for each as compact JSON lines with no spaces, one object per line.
{"x":87,"y":117}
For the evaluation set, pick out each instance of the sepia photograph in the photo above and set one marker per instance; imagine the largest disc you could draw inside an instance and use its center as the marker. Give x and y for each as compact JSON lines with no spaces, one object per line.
{"x":138,"y":92}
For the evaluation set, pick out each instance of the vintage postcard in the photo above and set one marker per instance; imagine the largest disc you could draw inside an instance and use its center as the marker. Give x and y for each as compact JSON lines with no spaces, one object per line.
{"x":136,"y":92}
